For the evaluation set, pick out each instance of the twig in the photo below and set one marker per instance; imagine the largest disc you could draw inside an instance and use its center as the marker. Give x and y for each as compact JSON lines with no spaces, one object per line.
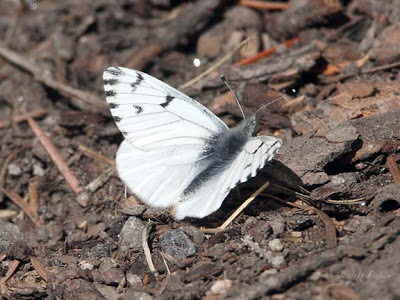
{"x":237,"y":211}
{"x":26,"y":208}
{"x":330,"y":229}
{"x":380,"y":68}
{"x":393,"y":168}
{"x":267,"y":52}
{"x":4,"y":124}
{"x":293,"y":204}
{"x":37,"y":265}
{"x":165,"y":262}
{"x":95,"y":155}
{"x":82,"y":99}
{"x":146,"y":248}
{"x":356,"y":201}
{"x":264,"y":4}
{"x":101,"y":180}
{"x":244,"y":205}
{"x":214,"y":66}
{"x":7,"y":214}
{"x":33,"y":114}
{"x":13,"y":267}
{"x":33,"y":196}
{"x":56,"y":157}
{"x":332,"y":69}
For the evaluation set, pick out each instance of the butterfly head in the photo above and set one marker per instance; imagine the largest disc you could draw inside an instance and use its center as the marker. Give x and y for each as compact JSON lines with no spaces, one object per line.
{"x":249,"y":125}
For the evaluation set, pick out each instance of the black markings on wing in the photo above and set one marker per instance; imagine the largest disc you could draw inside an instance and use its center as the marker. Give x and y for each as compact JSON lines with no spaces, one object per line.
{"x":262,"y":144}
{"x":110,"y":93}
{"x":114,"y":71}
{"x":152,"y":89}
{"x":138,"y":81}
{"x":138,"y":109}
{"x":256,"y":150}
{"x":273,"y":145}
{"x":112,"y":81}
{"x":168,"y":100}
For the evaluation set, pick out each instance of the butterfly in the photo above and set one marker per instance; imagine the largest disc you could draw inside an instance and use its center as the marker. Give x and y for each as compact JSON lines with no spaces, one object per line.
{"x":177,"y":153}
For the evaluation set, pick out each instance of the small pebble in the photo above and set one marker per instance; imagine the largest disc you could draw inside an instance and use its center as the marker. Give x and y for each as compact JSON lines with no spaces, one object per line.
{"x":38,"y":170}
{"x":195,"y":234}
{"x":275,"y":245}
{"x":133,"y":279}
{"x":107,"y":264}
{"x":277,"y":261}
{"x":9,"y":234}
{"x":221,"y":287}
{"x":177,"y":244}
{"x":133,"y":210}
{"x":315,"y":276}
{"x":268,"y":272}
{"x":131,"y":233}
{"x":84,"y":265}
{"x":19,"y":250}
{"x":278,"y":226}
{"x":13,"y":169}
{"x":296,"y":234}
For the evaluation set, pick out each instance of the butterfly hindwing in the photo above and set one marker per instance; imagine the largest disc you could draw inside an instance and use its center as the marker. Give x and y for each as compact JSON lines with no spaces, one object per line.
{"x":157,"y":177}
{"x":152,"y":114}
{"x":209,"y":197}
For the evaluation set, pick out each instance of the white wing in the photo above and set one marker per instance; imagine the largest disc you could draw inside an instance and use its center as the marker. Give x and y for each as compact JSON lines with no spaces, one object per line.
{"x":210,"y":195}
{"x":167,"y":134}
{"x":158,"y":177}
{"x":152,"y":114}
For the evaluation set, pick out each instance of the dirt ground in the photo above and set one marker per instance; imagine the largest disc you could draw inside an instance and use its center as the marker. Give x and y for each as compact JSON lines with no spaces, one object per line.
{"x":326,"y":227}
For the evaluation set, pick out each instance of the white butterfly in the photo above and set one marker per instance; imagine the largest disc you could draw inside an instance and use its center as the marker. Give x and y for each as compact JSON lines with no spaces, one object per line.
{"x":176,"y":152}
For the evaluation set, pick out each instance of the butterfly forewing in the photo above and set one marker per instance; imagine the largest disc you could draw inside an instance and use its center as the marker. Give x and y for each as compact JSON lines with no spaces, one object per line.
{"x":152,"y":114}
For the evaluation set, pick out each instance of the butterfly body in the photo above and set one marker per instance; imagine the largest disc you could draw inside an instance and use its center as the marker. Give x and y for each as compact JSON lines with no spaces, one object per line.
{"x":176,"y":152}
{"x":222,"y":150}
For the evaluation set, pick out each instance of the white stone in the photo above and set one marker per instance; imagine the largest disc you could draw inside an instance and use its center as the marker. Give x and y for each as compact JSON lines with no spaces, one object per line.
{"x":275,"y":245}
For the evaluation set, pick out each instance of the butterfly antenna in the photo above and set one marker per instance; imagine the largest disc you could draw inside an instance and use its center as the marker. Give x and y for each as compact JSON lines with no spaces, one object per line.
{"x":270,"y":102}
{"x":234,"y":94}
